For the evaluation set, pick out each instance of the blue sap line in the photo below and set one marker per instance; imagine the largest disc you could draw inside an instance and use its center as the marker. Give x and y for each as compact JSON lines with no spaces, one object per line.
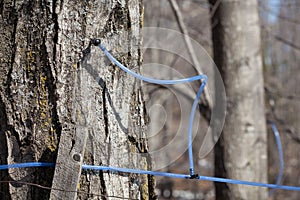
{"x":163,"y":82}
{"x":155,"y":173}
{"x":239,"y":182}
{"x":147,"y":79}
{"x":173,"y":175}
{"x":190,"y":128}
{"x":184,"y":176}
{"x":26,"y":165}
{"x":280,"y":153}
{"x":134,"y":171}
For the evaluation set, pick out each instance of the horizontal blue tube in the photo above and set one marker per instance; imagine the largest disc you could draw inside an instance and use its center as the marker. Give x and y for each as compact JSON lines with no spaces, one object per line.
{"x":135,"y":171}
{"x":154,"y":173}
{"x":26,"y":165}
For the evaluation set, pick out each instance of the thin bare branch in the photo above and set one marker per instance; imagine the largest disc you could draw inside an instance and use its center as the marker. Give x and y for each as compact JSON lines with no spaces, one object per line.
{"x":289,"y":43}
{"x":214,"y":8}
{"x":280,"y":39}
{"x":293,"y":134}
{"x":183,"y":29}
{"x":291,"y":131}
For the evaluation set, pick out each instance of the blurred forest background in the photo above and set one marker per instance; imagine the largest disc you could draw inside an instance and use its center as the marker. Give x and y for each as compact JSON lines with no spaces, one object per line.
{"x":280,"y":26}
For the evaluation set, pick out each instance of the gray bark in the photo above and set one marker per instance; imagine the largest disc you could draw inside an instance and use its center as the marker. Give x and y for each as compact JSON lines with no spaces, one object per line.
{"x":51,"y":91}
{"x":242,"y":151}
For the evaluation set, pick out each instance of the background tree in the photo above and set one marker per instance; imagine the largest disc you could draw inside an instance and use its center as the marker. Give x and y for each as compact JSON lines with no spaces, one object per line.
{"x":51,"y":93}
{"x":241,"y":152}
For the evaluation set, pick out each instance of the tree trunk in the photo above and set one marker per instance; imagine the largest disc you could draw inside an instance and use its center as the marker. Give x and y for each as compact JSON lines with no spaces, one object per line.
{"x":241,"y":152}
{"x":52,"y":92}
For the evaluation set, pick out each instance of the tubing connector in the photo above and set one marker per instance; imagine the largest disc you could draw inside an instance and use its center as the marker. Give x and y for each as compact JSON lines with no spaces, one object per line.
{"x":96,"y":41}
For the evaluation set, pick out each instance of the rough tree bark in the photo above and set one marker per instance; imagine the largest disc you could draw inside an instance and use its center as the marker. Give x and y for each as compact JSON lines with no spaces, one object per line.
{"x":242,"y":151}
{"x":50,"y":89}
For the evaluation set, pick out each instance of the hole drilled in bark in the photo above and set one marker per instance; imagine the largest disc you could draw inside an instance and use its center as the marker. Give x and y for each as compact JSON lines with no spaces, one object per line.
{"x":76,"y":157}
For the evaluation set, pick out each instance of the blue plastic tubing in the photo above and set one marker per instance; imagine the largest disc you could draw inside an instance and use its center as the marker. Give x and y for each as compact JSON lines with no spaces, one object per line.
{"x":164,"y":82}
{"x":192,"y":114}
{"x":280,"y":153}
{"x":154,"y":173}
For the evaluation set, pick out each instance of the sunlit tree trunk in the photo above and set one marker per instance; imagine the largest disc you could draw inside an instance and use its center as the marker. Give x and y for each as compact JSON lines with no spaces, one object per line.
{"x":50,"y":89}
{"x":241,"y":152}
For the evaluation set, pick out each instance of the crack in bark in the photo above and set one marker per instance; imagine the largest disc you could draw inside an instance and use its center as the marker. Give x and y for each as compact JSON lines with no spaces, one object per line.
{"x":105,"y":112}
{"x":14,"y":21}
{"x":3,"y":148}
{"x":103,"y":185}
{"x":52,"y":94}
{"x":139,"y":144}
{"x":56,"y":29}
{"x":220,"y":169}
{"x":1,"y":7}
{"x":151,"y":189}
